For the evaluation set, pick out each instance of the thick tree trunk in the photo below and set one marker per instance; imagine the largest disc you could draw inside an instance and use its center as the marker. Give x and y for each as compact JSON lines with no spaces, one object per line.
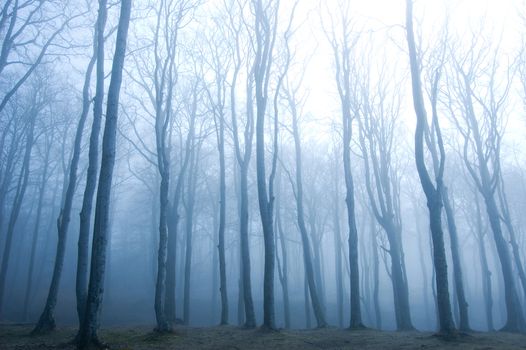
{"x":90,"y":323}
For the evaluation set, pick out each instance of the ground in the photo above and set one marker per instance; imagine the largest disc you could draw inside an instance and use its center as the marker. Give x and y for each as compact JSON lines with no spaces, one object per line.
{"x":17,"y":337}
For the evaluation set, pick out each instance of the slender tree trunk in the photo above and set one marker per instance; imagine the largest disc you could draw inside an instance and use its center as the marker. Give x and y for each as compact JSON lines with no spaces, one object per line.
{"x":93,"y":162}
{"x":36,"y":229}
{"x":338,"y":257}
{"x":307,"y":258}
{"x":376,"y":278}
{"x":513,"y":239}
{"x":356,"y":313}
{"x":457,"y":268}
{"x":250,"y":318}
{"x":284,"y":277}
{"x":515,"y":319}
{"x":17,"y":202}
{"x":486,"y":273}
{"x":90,"y":323}
{"x":173,"y":222}
{"x":421,"y":249}
{"x":308,"y":321}
{"x":190,"y":205}
{"x":222,"y":222}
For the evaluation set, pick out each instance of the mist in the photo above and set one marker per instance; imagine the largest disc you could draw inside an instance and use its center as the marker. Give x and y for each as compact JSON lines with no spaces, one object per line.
{"x":262,"y":165}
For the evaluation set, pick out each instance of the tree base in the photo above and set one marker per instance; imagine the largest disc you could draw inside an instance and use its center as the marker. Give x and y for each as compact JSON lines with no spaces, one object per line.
{"x":267,"y":329}
{"x":249,"y":325}
{"x":513,"y":328}
{"x":46,"y":324}
{"x":448,"y":335}
{"x":92,"y":343}
{"x":357,"y":327}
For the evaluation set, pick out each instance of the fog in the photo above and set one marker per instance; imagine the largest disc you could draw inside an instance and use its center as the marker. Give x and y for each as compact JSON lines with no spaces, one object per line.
{"x":293,"y":164}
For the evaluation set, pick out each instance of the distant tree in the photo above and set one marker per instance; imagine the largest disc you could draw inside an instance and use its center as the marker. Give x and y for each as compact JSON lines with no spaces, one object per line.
{"x":479,"y":113}
{"x":35,"y":101}
{"x":378,"y":114}
{"x":342,"y":41}
{"x":297,"y":185}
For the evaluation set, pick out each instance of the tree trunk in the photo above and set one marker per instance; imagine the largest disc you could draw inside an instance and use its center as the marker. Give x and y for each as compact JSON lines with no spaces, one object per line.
{"x":250,"y":318}
{"x":307,"y":259}
{"x":190,"y":205}
{"x":36,"y":229}
{"x":457,"y":268}
{"x":17,"y":201}
{"x":81,"y":283}
{"x":222,"y":222}
{"x":486,"y":273}
{"x":284,"y":277}
{"x":338,"y":256}
{"x":376,"y":278}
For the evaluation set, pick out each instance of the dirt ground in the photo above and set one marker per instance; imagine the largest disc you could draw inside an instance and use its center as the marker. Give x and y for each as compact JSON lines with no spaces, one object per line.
{"x":228,"y":337}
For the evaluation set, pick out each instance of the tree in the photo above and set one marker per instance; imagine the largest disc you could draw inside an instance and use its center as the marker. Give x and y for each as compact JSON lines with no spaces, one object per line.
{"x":433,"y":191}
{"x":479,"y":117}
{"x":243,"y":157}
{"x":90,"y":322}
{"x":378,"y":120}
{"x":265,"y":30}
{"x":342,"y":44}
{"x":297,"y":186}
{"x":28,"y":116}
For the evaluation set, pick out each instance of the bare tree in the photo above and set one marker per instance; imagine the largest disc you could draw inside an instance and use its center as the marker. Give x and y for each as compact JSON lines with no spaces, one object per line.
{"x":478,"y":112}
{"x":243,"y":157}
{"x":378,"y":120}
{"x":266,"y":15}
{"x":342,"y":41}
{"x":90,"y":323}
{"x":297,"y":185}
{"x":433,"y":191}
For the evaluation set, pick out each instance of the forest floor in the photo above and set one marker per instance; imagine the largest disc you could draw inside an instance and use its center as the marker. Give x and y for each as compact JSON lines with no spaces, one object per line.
{"x":228,"y":337}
